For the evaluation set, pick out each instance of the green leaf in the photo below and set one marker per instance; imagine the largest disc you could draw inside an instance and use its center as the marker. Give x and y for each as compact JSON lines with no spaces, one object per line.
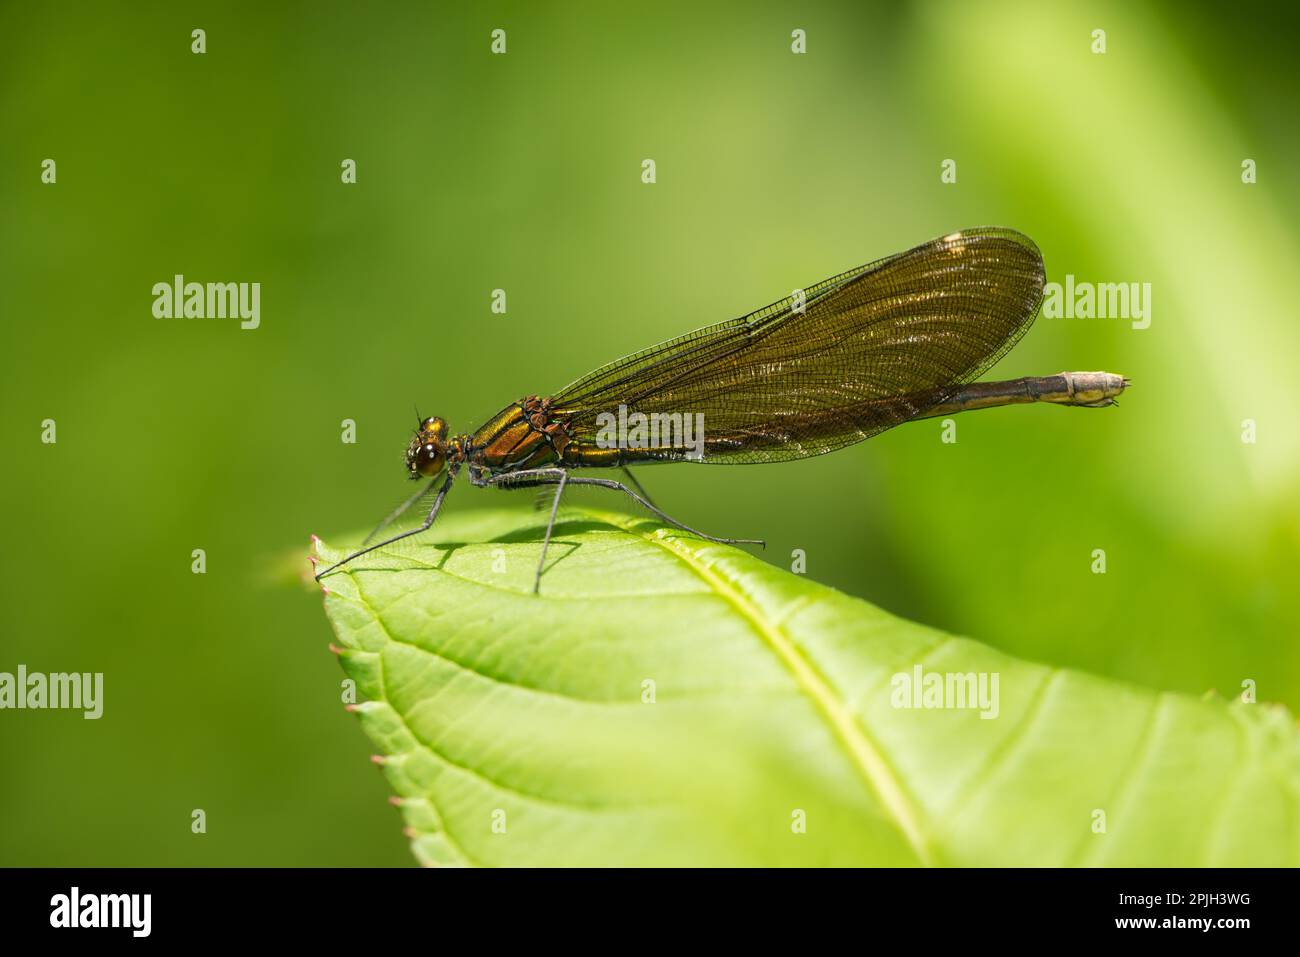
{"x":670,"y":701}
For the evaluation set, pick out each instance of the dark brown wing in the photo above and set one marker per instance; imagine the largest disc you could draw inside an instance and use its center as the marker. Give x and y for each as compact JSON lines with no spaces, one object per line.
{"x":873,"y":347}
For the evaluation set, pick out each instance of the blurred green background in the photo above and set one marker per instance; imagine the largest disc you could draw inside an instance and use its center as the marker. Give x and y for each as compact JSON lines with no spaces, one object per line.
{"x":522,"y":172}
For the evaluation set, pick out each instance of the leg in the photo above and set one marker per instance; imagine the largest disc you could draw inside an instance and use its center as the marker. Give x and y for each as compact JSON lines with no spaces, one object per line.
{"x":620,"y":487}
{"x":555,"y":507}
{"x":550,"y":476}
{"x":433,"y":513}
{"x":637,"y":485}
{"x":398,"y":512}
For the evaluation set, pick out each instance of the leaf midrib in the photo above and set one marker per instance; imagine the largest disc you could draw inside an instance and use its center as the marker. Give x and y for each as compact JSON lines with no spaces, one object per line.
{"x":863,"y":752}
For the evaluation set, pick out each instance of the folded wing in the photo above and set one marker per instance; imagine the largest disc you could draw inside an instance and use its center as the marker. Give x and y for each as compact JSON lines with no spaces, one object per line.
{"x":871,"y":348}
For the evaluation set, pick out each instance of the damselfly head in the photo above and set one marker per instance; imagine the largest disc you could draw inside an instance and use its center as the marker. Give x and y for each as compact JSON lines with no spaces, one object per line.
{"x":427,"y":453}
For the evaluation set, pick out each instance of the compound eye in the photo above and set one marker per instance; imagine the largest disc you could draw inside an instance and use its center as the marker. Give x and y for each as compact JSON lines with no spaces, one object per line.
{"x":430,"y":460}
{"x":434,"y":428}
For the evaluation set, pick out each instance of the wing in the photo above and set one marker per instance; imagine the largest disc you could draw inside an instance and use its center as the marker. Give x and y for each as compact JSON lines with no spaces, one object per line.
{"x":871,"y":348}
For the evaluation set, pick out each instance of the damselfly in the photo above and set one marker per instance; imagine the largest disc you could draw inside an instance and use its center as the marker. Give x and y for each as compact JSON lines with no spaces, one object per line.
{"x":899,"y":339}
